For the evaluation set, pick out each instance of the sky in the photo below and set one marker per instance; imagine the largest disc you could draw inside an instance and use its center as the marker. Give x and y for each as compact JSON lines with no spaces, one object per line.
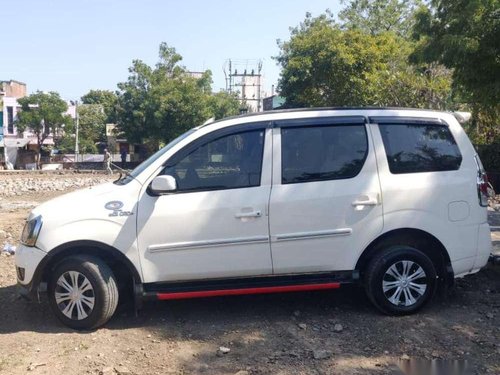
{"x":74,"y":46}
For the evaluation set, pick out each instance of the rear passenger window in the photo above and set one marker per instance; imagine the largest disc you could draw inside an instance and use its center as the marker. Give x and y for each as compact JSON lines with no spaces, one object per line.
{"x":413,"y":148}
{"x":317,"y":153}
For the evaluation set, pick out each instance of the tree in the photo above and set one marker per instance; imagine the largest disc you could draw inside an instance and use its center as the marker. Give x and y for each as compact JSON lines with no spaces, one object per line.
{"x":91,"y":130}
{"x":43,"y":114}
{"x":158,"y":103}
{"x":107,"y":99}
{"x":378,"y":16}
{"x":325,"y":65}
{"x":223,"y":104}
{"x":463,"y":35}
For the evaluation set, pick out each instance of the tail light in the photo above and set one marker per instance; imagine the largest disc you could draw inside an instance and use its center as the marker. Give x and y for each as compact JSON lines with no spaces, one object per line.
{"x":482,"y":183}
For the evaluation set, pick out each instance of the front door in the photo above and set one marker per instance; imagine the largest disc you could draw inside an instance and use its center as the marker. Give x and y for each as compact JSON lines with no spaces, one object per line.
{"x":325,"y":201}
{"x":216,"y":224}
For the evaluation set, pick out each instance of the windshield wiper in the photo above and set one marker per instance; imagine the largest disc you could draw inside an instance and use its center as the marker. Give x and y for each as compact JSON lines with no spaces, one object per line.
{"x":123,"y":173}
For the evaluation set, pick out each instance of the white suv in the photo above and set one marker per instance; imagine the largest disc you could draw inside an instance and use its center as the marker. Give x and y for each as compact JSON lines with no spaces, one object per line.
{"x":273,"y":202}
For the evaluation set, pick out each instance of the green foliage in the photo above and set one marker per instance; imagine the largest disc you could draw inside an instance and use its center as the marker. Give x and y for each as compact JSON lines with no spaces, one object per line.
{"x":490,"y":156}
{"x":156,"y":104}
{"x":325,"y":65}
{"x":464,"y":36}
{"x":107,"y":99}
{"x":42,"y":114}
{"x":91,"y":130}
{"x":380,"y":16}
{"x":223,"y":104}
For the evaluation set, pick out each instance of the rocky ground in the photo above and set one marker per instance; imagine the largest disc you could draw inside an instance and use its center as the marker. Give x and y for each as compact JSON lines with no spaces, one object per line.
{"x":306,"y":333}
{"x":23,"y":183}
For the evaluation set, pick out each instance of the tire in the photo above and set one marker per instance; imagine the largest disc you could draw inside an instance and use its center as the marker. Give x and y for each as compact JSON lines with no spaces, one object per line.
{"x":96,"y":299}
{"x":400,"y":280}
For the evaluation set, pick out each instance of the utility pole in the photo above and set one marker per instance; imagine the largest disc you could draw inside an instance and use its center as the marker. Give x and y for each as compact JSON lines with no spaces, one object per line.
{"x":76,"y":132}
{"x":247,"y":82}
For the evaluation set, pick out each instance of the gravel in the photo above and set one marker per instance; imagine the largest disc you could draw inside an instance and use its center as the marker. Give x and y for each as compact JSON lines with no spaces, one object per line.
{"x":13,"y":185}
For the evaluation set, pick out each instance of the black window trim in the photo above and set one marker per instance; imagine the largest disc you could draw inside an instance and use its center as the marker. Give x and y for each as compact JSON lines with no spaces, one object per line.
{"x":318,"y":121}
{"x":324,"y":121}
{"x":415,"y":121}
{"x":391,"y":120}
{"x":210,"y":137}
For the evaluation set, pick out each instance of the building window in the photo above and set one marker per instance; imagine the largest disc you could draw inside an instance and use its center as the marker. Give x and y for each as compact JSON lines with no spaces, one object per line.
{"x":10,"y":120}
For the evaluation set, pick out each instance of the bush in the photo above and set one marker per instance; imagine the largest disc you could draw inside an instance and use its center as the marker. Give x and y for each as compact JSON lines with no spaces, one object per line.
{"x":490,"y":156}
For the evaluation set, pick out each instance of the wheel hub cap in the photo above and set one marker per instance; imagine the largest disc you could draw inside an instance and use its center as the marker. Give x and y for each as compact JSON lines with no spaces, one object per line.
{"x":74,"y":295}
{"x":404,"y":283}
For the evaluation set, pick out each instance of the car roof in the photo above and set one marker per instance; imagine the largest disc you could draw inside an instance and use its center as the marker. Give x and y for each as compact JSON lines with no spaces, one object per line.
{"x":292,"y":113}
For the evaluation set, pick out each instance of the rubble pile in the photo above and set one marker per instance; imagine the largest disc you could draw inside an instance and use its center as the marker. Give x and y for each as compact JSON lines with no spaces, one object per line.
{"x":11,"y":186}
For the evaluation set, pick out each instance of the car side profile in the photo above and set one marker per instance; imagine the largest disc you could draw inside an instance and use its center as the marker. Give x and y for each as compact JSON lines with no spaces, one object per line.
{"x":295,"y":200}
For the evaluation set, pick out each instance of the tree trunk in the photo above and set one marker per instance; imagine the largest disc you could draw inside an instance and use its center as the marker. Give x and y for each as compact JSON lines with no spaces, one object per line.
{"x":39,"y":155}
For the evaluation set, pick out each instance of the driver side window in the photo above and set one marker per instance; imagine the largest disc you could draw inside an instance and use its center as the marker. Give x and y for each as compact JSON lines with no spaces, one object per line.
{"x":229,"y":162}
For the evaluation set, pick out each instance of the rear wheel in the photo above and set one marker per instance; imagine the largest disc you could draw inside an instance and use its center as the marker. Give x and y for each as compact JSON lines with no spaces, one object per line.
{"x":400,"y":280}
{"x":83,"y":292}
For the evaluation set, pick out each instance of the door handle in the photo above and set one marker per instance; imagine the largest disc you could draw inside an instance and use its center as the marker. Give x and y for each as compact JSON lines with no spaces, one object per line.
{"x":243,"y":215}
{"x":366,"y":200}
{"x":369,"y":202}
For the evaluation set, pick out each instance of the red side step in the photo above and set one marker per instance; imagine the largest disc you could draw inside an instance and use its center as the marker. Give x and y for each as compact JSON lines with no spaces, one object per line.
{"x":243,"y":291}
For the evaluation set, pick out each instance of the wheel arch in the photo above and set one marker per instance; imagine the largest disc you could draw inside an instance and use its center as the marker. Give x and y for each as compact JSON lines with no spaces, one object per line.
{"x":121,"y":266}
{"x":420,"y":239}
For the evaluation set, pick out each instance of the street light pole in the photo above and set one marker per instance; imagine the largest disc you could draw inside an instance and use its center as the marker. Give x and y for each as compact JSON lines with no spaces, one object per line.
{"x":76,"y":133}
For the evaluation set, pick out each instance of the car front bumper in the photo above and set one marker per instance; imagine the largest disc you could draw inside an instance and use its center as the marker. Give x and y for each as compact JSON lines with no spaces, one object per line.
{"x":28,"y":270}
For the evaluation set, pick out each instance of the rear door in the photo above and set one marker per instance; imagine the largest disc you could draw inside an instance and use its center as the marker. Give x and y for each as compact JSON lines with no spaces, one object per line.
{"x":325,"y":202}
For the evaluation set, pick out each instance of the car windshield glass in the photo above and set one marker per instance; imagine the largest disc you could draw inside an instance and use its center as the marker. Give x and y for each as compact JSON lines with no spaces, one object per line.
{"x":158,"y":154}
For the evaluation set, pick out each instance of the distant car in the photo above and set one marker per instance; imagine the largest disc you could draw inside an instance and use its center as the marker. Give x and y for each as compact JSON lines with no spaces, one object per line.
{"x":394,"y":199}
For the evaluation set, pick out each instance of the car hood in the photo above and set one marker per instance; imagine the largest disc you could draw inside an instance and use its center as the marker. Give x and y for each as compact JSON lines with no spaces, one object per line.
{"x":88,"y":203}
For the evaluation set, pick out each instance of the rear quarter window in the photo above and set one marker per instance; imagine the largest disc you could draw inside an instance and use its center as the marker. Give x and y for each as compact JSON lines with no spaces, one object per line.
{"x":414,"y":148}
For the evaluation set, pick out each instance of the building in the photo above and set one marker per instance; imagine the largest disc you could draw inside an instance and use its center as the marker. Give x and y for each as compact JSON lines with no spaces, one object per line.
{"x":17,"y":149}
{"x":273,"y":102}
{"x":10,"y":140}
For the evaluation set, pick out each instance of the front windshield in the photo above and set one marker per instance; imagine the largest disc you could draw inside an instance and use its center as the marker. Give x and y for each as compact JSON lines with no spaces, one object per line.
{"x":146,"y":163}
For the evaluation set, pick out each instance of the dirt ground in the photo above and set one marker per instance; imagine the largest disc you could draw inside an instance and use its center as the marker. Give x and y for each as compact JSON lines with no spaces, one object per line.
{"x":307,"y":333}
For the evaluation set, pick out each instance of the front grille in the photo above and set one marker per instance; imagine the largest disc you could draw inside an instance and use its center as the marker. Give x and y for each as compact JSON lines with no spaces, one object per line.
{"x":20,"y":273}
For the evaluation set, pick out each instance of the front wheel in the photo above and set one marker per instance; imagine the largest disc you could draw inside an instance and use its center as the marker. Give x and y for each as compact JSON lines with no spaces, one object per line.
{"x":400,"y":280}
{"x":83,"y":292}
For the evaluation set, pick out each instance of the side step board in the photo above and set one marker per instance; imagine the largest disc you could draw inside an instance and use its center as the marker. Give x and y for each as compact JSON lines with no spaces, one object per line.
{"x":247,"y":285}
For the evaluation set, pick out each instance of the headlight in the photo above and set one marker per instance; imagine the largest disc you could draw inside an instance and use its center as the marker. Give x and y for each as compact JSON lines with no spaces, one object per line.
{"x":31,"y":231}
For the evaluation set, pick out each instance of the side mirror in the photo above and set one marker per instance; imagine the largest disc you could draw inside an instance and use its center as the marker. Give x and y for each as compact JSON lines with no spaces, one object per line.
{"x":163,"y":184}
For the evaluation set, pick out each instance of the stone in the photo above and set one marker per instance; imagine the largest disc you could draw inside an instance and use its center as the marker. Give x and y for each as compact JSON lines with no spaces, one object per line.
{"x":321,"y":354}
{"x":338,"y":327}
{"x":302,"y":326}
{"x":122,"y":370}
{"x":223,"y":350}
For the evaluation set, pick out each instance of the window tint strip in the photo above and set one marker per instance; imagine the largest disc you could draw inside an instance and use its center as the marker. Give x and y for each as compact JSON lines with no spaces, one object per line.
{"x":406,"y":120}
{"x":318,"y":121}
